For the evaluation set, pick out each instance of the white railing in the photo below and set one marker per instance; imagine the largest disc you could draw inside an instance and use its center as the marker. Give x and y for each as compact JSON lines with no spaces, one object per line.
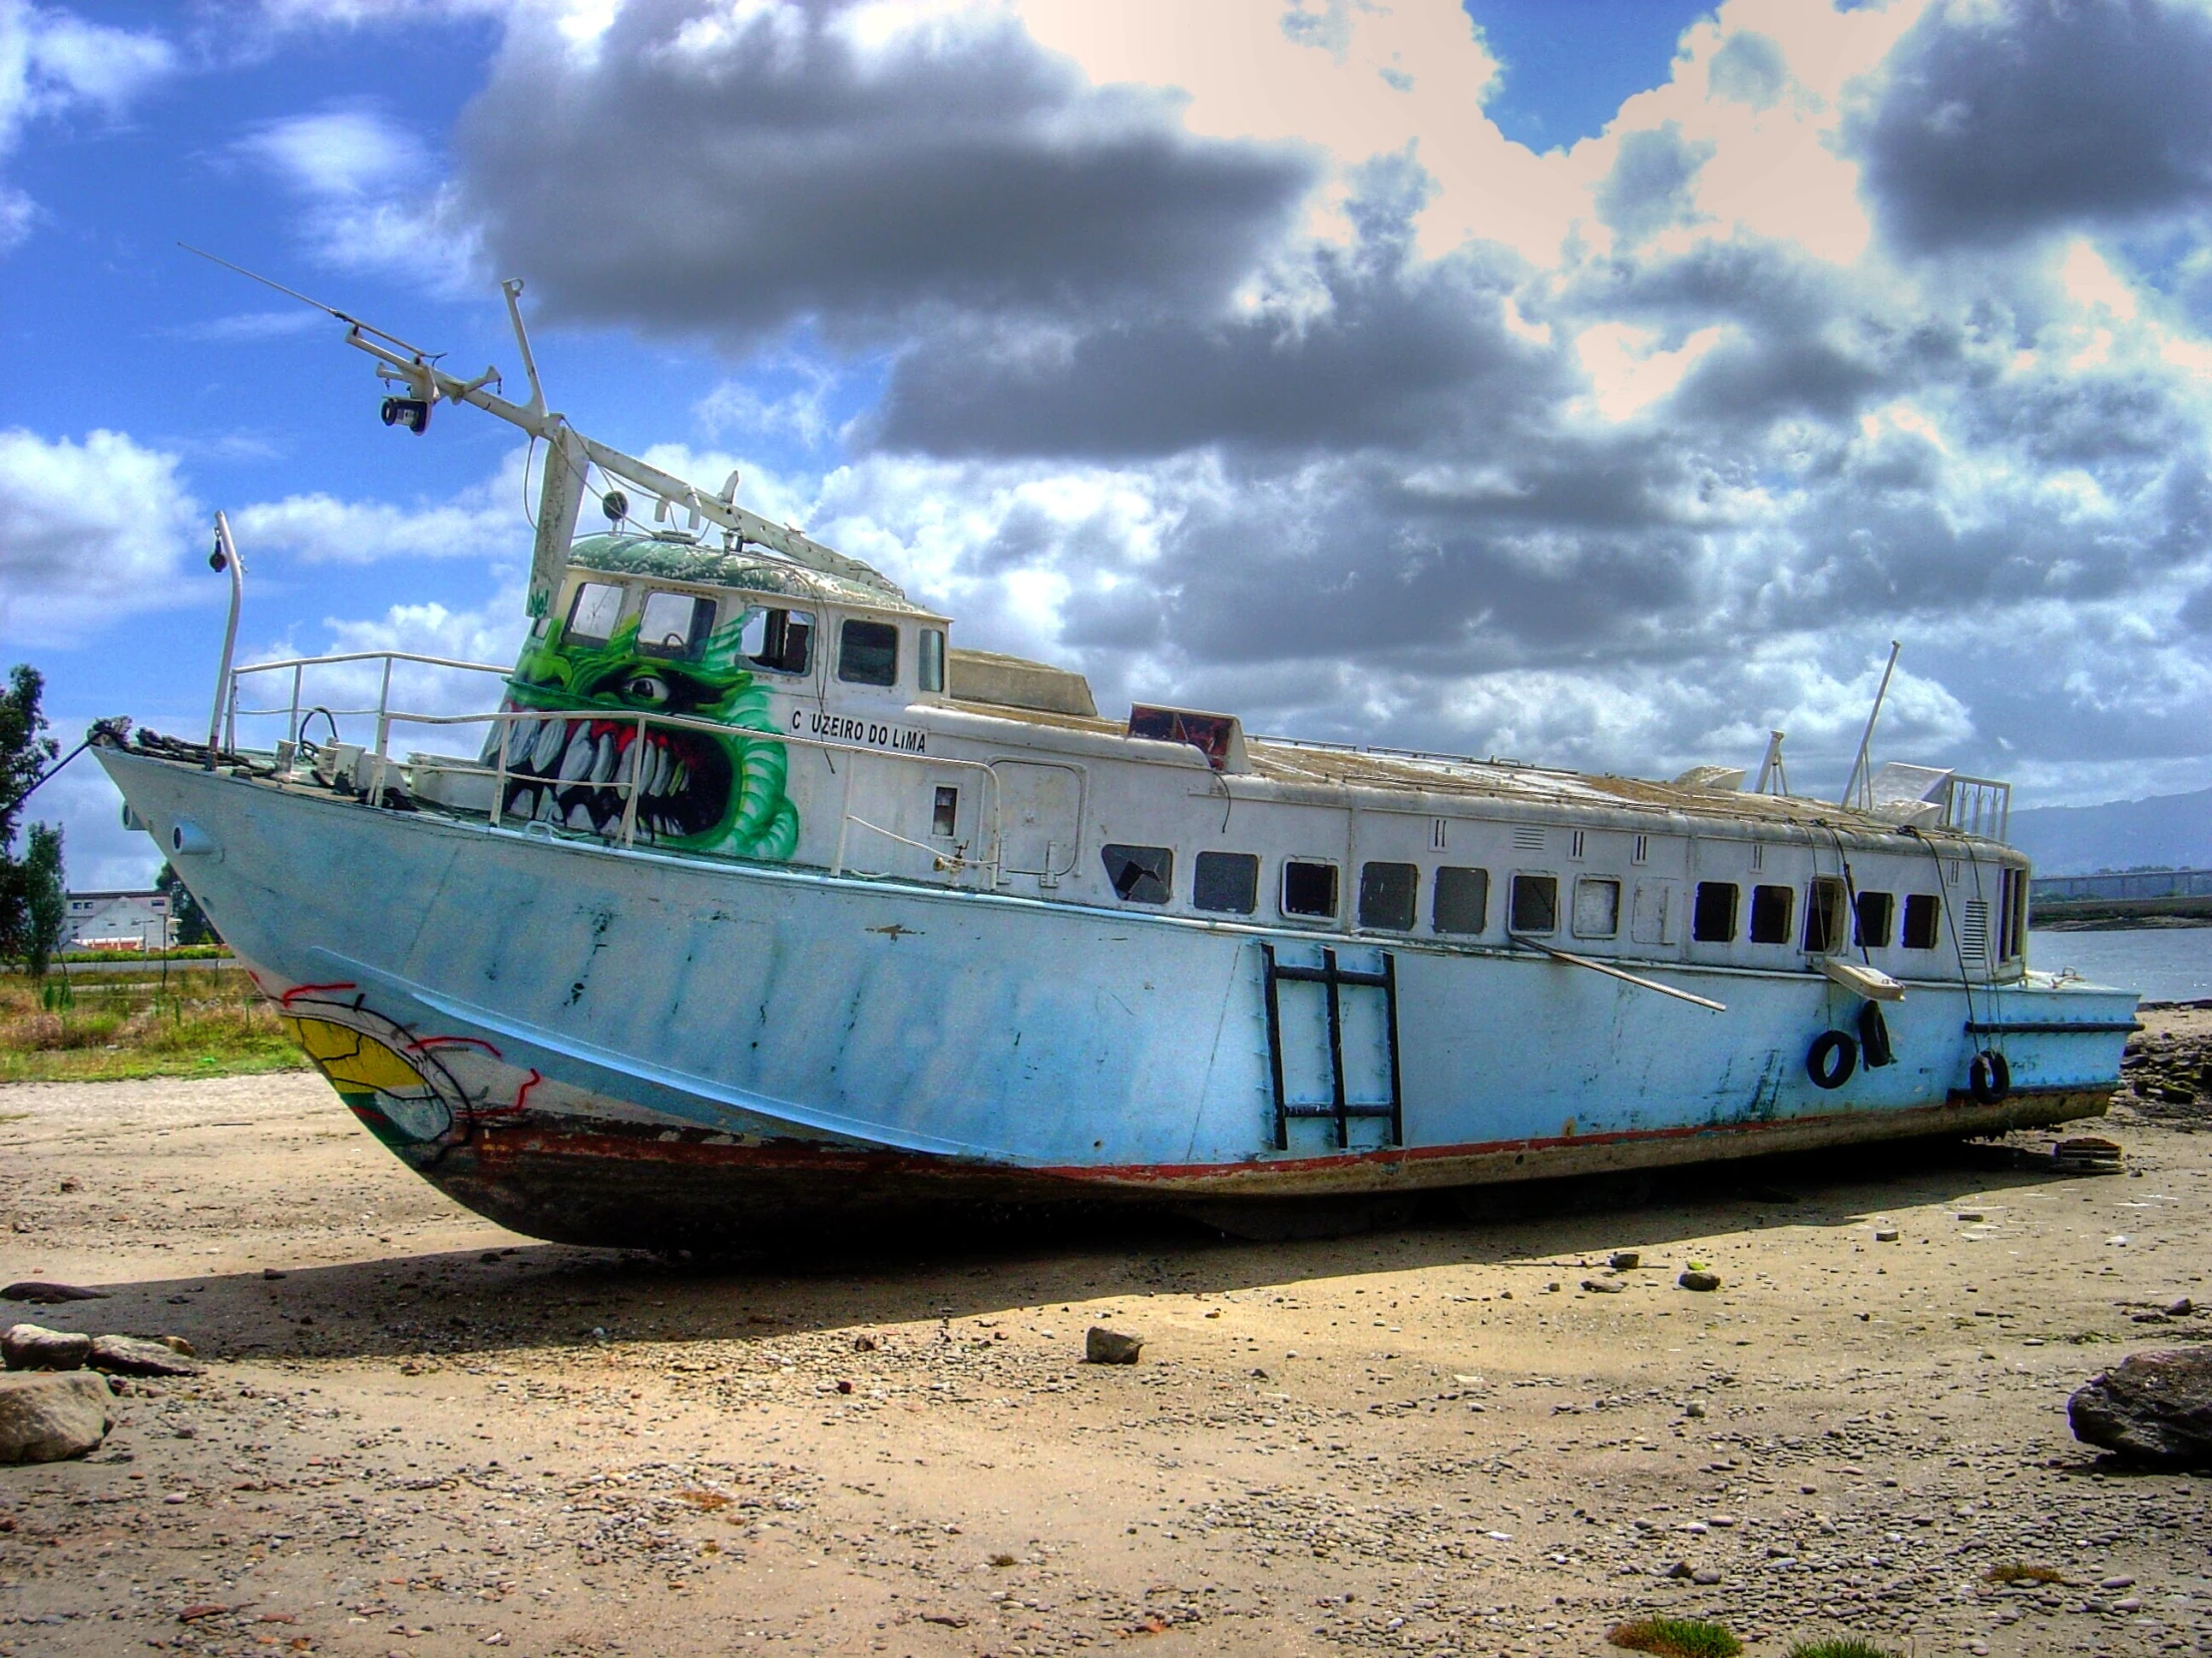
{"x":299,"y":665}
{"x":1978,"y":806}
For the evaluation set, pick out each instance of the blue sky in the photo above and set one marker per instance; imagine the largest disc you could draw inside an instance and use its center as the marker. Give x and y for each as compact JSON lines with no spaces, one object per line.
{"x":1599,"y":381}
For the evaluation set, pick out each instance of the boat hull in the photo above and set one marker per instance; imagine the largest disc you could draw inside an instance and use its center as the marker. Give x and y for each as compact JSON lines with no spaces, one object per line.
{"x":619,"y":1046}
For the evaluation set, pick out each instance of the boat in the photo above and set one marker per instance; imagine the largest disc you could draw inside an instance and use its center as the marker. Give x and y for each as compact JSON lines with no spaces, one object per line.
{"x":762,"y":911}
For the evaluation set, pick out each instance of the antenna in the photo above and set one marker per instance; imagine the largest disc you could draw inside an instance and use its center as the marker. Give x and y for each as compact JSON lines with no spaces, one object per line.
{"x":1857,"y":788}
{"x":512,"y":288}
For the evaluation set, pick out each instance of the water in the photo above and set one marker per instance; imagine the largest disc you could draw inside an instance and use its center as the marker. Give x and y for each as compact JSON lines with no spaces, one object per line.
{"x":2166,"y":963}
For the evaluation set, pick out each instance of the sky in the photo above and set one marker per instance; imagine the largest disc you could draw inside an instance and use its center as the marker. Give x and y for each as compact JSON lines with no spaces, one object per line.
{"x":1603,"y":383}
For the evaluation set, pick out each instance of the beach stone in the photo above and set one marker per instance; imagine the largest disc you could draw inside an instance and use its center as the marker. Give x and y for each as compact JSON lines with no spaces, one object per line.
{"x":1622,"y":1260}
{"x":40,"y":1292}
{"x":1101,"y":1346}
{"x":1699,"y":1281}
{"x":45,"y":1416}
{"x":33,"y":1346}
{"x":1598,"y":1286}
{"x":2180,"y":1308}
{"x":133,"y":1355}
{"x":2153,"y":1408}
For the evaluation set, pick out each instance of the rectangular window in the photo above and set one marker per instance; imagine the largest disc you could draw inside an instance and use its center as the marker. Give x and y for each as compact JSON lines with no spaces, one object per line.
{"x":1651,"y":916}
{"x":1713,"y":914}
{"x":1772,"y":911}
{"x":597,"y":605}
{"x":1140,"y":874}
{"x":1824,"y":913}
{"x":674,"y":625}
{"x":1535,"y":903}
{"x":930,"y":667}
{"x":1922,"y":914}
{"x":944,"y":812}
{"x":1388,"y":895}
{"x":2015,"y":915}
{"x":1876,"y":910}
{"x":782,"y":641}
{"x":1310,"y":889}
{"x":1596,"y":907}
{"x":868,"y":652}
{"x":1226,"y":883}
{"x":1461,"y":902}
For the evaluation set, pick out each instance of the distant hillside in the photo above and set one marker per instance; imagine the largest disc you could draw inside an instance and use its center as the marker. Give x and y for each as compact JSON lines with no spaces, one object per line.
{"x":2169,"y":829}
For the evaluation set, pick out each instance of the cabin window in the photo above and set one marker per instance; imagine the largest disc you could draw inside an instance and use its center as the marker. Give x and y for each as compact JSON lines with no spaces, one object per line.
{"x":1388,"y":895}
{"x":597,"y":605}
{"x":1461,"y":902}
{"x":868,"y":653}
{"x":1772,"y":910}
{"x":1310,"y":889}
{"x":674,"y":625}
{"x":2014,"y":913}
{"x":1823,"y":912}
{"x":782,"y":641}
{"x":1876,"y":910}
{"x":1226,"y":883}
{"x":1140,"y":874}
{"x":1596,"y":907}
{"x":1535,"y":906}
{"x":929,"y":660}
{"x":1713,"y":915}
{"x":1923,"y":911}
{"x":944,"y":812}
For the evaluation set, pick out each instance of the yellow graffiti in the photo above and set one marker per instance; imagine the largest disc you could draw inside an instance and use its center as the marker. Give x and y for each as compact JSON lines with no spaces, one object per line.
{"x":348,"y":1058}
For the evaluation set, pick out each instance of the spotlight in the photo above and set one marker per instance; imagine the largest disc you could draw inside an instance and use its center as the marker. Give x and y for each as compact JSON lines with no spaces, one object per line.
{"x":411,"y":412}
{"x":614,"y":505}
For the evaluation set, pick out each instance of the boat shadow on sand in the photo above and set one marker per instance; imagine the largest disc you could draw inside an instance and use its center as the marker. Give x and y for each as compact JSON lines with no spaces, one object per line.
{"x":537,"y":1296}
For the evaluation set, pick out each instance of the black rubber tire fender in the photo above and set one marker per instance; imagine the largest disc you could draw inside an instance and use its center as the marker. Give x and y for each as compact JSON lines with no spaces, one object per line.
{"x":1989,"y":1077}
{"x":1874,"y":1036}
{"x":1832,"y":1059}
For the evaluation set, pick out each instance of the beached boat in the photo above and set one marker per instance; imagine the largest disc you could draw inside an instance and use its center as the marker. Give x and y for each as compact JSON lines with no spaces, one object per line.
{"x":762,"y":906}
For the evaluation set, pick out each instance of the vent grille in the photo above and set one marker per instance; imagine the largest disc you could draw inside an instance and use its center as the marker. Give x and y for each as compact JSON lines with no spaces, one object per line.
{"x":1527,"y":837}
{"x":1973,"y":931}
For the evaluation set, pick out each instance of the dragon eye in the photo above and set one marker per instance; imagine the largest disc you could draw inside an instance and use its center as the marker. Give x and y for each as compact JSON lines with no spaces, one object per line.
{"x":647,"y":687}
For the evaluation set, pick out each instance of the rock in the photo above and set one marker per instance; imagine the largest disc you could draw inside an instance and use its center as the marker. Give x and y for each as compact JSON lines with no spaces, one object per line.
{"x":1682,"y":1569}
{"x":1706,"y":1578}
{"x":33,"y":1346}
{"x":178,"y":1344}
{"x":864,"y":1343}
{"x":45,"y":1417}
{"x":1884,"y":1234}
{"x":1623,"y":1259}
{"x":2153,"y":1408}
{"x":1598,"y":1286}
{"x":270,"y":1274}
{"x":48,"y":1295}
{"x":1971,"y":1215}
{"x":2121,"y":1581}
{"x":1699,"y":1281}
{"x":1101,"y":1346}
{"x":133,"y":1355}
{"x":2180,"y":1308}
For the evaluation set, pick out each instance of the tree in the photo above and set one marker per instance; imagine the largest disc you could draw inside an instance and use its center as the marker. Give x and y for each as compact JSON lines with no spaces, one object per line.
{"x":187,"y":918}
{"x":33,"y":907}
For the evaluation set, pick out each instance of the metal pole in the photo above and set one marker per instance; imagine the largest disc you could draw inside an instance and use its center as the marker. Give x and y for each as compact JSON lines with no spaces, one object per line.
{"x":224,"y":557}
{"x":1857,"y":789}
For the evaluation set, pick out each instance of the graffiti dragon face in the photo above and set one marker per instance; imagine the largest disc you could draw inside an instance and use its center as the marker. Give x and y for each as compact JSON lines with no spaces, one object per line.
{"x":697,"y":791}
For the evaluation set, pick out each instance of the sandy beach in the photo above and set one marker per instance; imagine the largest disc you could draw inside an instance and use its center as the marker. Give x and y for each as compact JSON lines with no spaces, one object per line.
{"x":418,"y":1434}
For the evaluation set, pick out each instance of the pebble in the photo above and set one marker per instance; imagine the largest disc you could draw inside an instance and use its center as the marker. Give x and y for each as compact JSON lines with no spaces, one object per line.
{"x":1621,"y":1260}
{"x":1699,"y":1281}
{"x":1598,"y":1286}
{"x":1884,"y":1234}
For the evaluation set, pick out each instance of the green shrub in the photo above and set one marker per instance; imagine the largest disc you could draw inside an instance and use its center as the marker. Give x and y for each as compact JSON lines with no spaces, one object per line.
{"x":1676,"y":1638}
{"x":1842,"y":1646}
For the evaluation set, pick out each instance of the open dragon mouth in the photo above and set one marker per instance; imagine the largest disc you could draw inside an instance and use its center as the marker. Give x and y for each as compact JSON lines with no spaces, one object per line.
{"x":568,"y":771}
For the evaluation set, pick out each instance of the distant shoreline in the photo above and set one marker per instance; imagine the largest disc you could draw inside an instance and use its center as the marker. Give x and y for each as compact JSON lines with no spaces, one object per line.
{"x":2078,"y":914}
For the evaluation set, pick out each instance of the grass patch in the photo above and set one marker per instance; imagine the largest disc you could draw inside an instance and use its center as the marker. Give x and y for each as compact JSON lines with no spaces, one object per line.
{"x":1676,"y":1638}
{"x":2015,"y":1572}
{"x":1842,"y":1646}
{"x":107,"y":1027}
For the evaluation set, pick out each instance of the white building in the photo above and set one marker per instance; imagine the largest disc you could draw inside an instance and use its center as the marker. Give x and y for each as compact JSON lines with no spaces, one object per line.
{"x":117,"y":920}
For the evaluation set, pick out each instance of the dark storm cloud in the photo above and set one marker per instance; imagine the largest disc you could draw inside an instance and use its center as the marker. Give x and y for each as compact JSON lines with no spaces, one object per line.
{"x":736,"y":183}
{"x":1998,"y":120}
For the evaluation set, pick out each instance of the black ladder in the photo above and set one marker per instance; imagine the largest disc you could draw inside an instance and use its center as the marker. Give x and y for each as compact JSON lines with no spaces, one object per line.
{"x":1333,"y":979}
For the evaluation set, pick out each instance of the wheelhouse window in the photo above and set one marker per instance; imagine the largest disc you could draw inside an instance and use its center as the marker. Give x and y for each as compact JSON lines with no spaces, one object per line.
{"x":593,"y":612}
{"x":782,"y":641}
{"x":929,"y":665}
{"x":1713,"y":914}
{"x":1870,"y":925}
{"x":1824,"y":913}
{"x":1226,"y":883}
{"x":1140,"y":874}
{"x":868,"y":652}
{"x":944,"y":812}
{"x":1596,"y":907}
{"x":1923,"y":919}
{"x":1534,"y":906}
{"x":1772,"y":911}
{"x":1310,"y":889}
{"x":674,"y":625}
{"x":1389,"y":894}
{"x":1461,"y":901}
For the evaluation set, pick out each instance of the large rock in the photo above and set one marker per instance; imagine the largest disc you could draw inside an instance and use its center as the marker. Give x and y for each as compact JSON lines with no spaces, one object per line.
{"x":2155,"y":1408}
{"x":34,"y":1347}
{"x":1101,"y":1346}
{"x":45,"y":1417}
{"x":132,"y":1356}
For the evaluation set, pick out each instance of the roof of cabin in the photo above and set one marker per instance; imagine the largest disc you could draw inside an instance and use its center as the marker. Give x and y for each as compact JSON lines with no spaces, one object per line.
{"x":681,"y":560}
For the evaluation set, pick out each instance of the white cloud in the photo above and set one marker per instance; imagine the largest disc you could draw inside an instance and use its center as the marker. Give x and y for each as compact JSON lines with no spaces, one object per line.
{"x":53,"y":64}
{"x":374,"y":193}
{"x":88,"y":532}
{"x":484,"y":522}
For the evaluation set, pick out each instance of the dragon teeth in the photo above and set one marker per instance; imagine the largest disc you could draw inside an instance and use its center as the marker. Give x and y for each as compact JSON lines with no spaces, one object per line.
{"x":575,"y":759}
{"x":551,"y":735}
{"x":580,"y":816}
{"x":603,"y":760}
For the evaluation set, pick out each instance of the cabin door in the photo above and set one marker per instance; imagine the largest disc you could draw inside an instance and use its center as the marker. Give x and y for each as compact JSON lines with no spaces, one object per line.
{"x":1039,"y":819}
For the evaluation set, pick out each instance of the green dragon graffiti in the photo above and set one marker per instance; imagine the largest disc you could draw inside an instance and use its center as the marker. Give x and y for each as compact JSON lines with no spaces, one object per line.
{"x":697,"y":792}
